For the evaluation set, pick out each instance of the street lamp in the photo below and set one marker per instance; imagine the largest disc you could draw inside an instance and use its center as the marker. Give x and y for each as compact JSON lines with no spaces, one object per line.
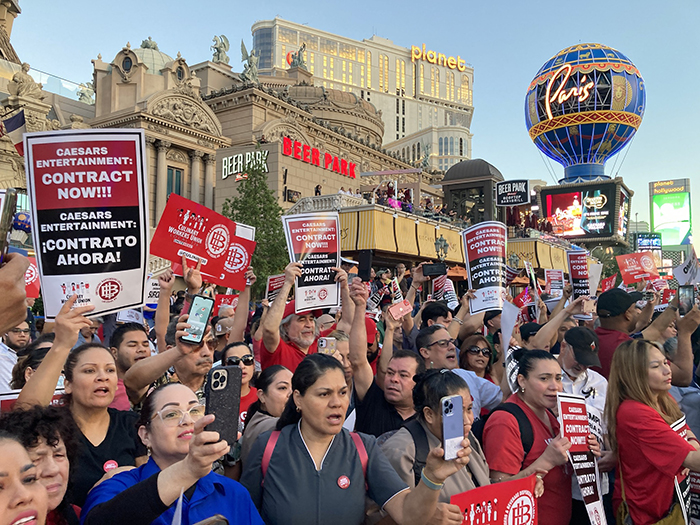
{"x":441,"y":247}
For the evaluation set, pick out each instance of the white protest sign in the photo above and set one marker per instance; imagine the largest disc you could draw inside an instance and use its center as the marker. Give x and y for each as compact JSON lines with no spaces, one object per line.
{"x":687,"y":273}
{"x":595,"y":272}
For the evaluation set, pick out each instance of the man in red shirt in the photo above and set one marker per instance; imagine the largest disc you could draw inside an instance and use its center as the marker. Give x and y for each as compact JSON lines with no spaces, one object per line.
{"x":619,"y":317}
{"x":289,"y":337}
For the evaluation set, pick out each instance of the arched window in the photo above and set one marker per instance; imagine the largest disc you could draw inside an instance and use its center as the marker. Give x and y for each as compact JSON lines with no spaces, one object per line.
{"x":452,"y":145}
{"x":440,"y":146}
{"x":418,"y":150}
{"x":465,"y":94}
{"x":413,"y":153}
{"x":126,"y":64}
{"x":461,"y":147}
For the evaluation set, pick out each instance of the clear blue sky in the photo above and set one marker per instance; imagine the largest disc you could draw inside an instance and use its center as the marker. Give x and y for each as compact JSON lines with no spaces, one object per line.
{"x":506,"y":42}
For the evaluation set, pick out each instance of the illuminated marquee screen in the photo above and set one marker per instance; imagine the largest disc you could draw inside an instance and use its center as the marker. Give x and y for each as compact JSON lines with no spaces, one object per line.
{"x":670,"y":216}
{"x":585,"y":212}
{"x":623,"y":214}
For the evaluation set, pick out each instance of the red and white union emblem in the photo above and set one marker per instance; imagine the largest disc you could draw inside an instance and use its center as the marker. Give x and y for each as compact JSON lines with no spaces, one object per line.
{"x":322,"y":294}
{"x":237,"y":259}
{"x":217,"y":240}
{"x":109,"y":289}
{"x":31,"y":275}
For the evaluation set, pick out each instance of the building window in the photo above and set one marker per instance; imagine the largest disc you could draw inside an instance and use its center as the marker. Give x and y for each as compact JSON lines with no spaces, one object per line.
{"x":461,"y":147}
{"x":310,"y":40}
{"x":329,"y":47}
{"x":397,"y":105}
{"x":465,"y":94}
{"x":450,"y":95}
{"x":347,"y":51}
{"x":360,"y":55}
{"x":452,"y":145}
{"x":384,"y":73}
{"x":351,"y":66}
{"x":413,"y":153}
{"x":440,"y":146}
{"x":262,"y":43}
{"x":421,"y":79}
{"x":434,"y":82}
{"x":403,"y":107}
{"x":174,"y":183}
{"x":126,"y":64}
{"x":325,"y":67}
{"x":418,"y":150}
{"x":180,"y":73}
{"x":311,"y":62}
{"x":369,"y":72}
{"x":397,"y":126}
{"x":286,"y":35}
{"x":403,"y":124}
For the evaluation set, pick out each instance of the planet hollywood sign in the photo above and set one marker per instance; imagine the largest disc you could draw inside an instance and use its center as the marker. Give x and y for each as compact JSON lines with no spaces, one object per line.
{"x":313,"y":156}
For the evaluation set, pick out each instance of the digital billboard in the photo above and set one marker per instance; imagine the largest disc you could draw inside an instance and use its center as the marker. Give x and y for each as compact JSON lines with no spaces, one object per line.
{"x":650,"y":242}
{"x":586,"y":211}
{"x":670,"y":216}
{"x":623,"y":214}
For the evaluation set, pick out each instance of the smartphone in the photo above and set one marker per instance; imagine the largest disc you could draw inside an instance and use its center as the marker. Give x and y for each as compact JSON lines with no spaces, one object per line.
{"x":435,"y":269}
{"x":452,"y":425}
{"x":398,"y":310}
{"x":648,"y":296}
{"x":589,"y":306}
{"x":199,"y":312}
{"x":223,"y":399}
{"x":8,"y":203}
{"x":326,"y":345}
{"x":686,"y":299}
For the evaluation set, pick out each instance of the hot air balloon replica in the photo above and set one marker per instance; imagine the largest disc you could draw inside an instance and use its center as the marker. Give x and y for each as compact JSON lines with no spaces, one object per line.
{"x":583,"y":106}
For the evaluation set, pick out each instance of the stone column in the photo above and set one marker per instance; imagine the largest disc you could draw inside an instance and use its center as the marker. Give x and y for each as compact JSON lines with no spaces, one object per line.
{"x":151,"y":186}
{"x":161,"y":179}
{"x":209,"y":174}
{"x":195,"y":171}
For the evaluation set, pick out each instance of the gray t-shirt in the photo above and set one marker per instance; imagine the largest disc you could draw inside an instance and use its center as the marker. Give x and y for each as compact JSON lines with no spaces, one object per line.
{"x":295,"y":493}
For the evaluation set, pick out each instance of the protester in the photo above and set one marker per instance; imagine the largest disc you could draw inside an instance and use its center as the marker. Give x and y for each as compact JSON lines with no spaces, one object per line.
{"x":640,"y":414}
{"x":13,"y":306}
{"x":51,"y":439}
{"x":32,"y":357}
{"x":439,"y":351}
{"x":326,"y":456}
{"x":288,"y":337}
{"x":130,"y":344}
{"x":22,"y":495}
{"x":239,"y":354}
{"x":492,"y":322}
{"x":107,"y":436}
{"x":383,"y":403}
{"x":172,"y":426}
{"x":15,"y":340}
{"x":88,"y":334}
{"x":509,"y":457}
{"x":476,"y":355}
{"x":401,"y":449}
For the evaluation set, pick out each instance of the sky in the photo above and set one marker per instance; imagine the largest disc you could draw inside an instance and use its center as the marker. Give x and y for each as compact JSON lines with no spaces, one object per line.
{"x":505,"y":41}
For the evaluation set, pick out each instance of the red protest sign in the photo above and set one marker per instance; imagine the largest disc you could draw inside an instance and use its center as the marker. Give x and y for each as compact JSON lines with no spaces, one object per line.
{"x":31,"y":279}
{"x":523,"y":298}
{"x":637,"y":266}
{"x":505,"y":503}
{"x":274,"y":285}
{"x":573,"y":417}
{"x":578,"y":273}
{"x":224,"y":299}
{"x":608,"y":283}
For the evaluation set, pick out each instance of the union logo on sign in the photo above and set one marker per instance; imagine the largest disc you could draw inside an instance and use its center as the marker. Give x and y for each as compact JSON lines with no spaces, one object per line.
{"x":31,"y":274}
{"x":520,"y":509}
{"x":322,"y":294}
{"x":237,"y":259}
{"x":109,"y":289}
{"x":648,"y":263}
{"x":217,"y":240}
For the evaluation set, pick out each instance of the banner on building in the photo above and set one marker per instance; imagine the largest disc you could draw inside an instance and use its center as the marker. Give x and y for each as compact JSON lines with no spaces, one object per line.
{"x":274,"y":285}
{"x":485,"y":253}
{"x":554,"y":280}
{"x":578,"y":273}
{"x":31,"y":279}
{"x":637,"y":266}
{"x":313,"y":240}
{"x":575,"y":426}
{"x":506,"y":503}
{"x":88,"y":197}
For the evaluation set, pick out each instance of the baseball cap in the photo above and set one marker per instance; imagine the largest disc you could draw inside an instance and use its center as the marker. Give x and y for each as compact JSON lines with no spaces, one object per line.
{"x":289,"y":310}
{"x":371,"y":328}
{"x":584,"y":342}
{"x":491,"y":314}
{"x":528,"y":330}
{"x":616,"y":302}
{"x":223,"y":326}
{"x":326,"y":318}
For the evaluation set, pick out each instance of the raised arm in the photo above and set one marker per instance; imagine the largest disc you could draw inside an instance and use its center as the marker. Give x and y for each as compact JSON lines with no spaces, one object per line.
{"x":361,"y":369}
{"x":668,"y":316}
{"x":240,"y":318}
{"x":271,"y":324}
{"x":547,"y":333}
{"x":470,"y":323}
{"x":390,"y":325}
{"x":166,"y":281}
{"x":682,"y":364}
{"x":13,"y":309}
{"x":348,"y":307}
{"x":41,"y":385}
{"x":566,"y":294}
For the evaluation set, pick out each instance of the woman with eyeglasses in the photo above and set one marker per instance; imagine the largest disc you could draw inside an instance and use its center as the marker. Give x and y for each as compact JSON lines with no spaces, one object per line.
{"x":239,"y":354}
{"x":173,"y":427}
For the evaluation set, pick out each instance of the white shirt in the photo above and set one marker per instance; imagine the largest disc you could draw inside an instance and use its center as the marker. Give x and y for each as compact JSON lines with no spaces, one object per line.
{"x":8,"y":360}
{"x":594,"y":388}
{"x":484,"y":393}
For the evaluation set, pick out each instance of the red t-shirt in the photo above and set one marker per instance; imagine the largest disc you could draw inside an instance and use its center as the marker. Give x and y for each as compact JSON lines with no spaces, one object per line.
{"x":504,"y":452}
{"x":650,"y":454}
{"x":287,"y":354}
{"x":608,"y":341}
{"x":121,"y":399}
{"x":256,"y":349}
{"x":246,"y":401}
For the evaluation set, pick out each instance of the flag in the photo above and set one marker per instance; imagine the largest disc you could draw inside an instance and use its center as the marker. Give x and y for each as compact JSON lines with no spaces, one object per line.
{"x":15,"y":127}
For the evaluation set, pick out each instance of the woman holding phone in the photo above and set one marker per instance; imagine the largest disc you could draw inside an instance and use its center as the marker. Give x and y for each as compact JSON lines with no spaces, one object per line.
{"x":334,"y":469}
{"x":172,"y":425}
{"x":239,"y":354}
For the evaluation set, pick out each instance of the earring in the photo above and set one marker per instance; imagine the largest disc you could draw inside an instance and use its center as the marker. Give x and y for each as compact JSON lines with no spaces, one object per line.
{"x":298,"y":409}
{"x":431,"y":364}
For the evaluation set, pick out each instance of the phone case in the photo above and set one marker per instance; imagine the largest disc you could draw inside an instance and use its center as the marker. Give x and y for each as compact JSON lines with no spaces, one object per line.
{"x":223,"y":399}
{"x":686,"y":299}
{"x":398,"y":310}
{"x":199,"y":312}
{"x":326,"y":345}
{"x":8,"y":203}
{"x":452,"y":425}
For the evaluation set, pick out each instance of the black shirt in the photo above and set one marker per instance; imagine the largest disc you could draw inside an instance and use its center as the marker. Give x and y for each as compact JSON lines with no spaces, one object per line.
{"x":375,"y":415}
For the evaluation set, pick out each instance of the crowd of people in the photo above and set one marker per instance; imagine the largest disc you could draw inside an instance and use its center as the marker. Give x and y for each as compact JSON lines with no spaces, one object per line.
{"x":344,"y":433}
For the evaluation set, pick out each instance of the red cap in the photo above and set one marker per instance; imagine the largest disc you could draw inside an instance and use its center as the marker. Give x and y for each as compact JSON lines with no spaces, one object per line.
{"x":289,"y":310}
{"x":371,"y":328}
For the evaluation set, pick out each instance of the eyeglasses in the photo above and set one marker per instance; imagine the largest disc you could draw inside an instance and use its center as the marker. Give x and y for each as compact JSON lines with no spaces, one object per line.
{"x":234,"y":360}
{"x":173,"y":416}
{"x":475,"y":350}
{"x":25,"y":331}
{"x":212,"y":343}
{"x":444,"y":343}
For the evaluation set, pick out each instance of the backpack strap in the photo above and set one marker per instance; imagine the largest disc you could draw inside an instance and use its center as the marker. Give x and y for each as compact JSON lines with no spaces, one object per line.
{"x":267,"y":454}
{"x":362,"y":452}
{"x":420,"y":440}
{"x":526,"y":434}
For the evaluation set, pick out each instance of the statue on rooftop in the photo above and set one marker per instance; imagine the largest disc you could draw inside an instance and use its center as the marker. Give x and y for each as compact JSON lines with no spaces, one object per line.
{"x":23,"y":85}
{"x":250,"y":69}
{"x":85,"y":93}
{"x":149,"y":44}
{"x":298,"y":57}
{"x":220,"y":47}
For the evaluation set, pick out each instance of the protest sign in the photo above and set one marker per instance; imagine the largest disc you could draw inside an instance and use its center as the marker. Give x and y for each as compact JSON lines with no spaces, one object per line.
{"x":8,"y":399}
{"x":396,"y":294}
{"x":505,"y":503}
{"x":554,"y":280}
{"x":152,"y":291}
{"x":222,"y":299}
{"x":695,"y":498}
{"x":608,"y":283}
{"x":274,"y":285}
{"x":511,"y":274}
{"x":578,"y":273}
{"x":88,"y":197}
{"x":595,"y":272}
{"x":376,"y":298}
{"x":523,"y":298}
{"x":130,"y":316}
{"x":199,"y":233}
{"x":637,"y":266}
{"x":485,"y":253}
{"x":450,"y":295}
{"x":438,"y":284}
{"x":687,"y":273}
{"x":312,"y":239}
{"x":682,"y":482}
{"x":574,"y":424}
{"x":31,"y":279}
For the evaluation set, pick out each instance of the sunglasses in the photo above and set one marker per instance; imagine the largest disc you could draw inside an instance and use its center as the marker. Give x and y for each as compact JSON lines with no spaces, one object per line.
{"x":234,"y":360}
{"x":475,"y":350}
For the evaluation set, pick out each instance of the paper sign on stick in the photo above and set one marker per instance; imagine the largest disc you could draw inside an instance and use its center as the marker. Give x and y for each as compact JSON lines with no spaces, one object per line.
{"x":485,"y":253}
{"x":608,"y":283}
{"x":578,"y":273}
{"x":687,"y":273}
{"x":555,"y":282}
{"x":274,"y":285}
{"x":595,"y":271}
{"x":89,"y":205}
{"x":506,"y":503}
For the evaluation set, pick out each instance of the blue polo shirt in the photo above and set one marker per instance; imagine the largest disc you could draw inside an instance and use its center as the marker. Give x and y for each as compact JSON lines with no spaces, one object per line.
{"x":213,"y":494}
